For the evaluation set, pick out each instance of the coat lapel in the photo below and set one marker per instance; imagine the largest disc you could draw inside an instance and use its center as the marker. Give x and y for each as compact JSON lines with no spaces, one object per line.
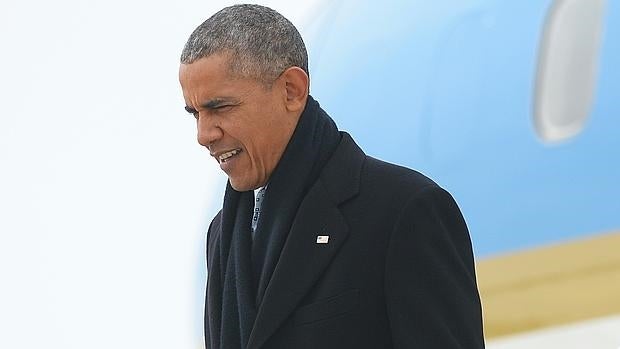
{"x":303,"y":260}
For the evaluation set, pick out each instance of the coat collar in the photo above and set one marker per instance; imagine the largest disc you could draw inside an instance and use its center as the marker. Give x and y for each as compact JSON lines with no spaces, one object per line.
{"x":303,"y":260}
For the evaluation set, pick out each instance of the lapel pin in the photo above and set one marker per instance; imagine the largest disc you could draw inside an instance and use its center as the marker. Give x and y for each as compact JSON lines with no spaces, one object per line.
{"x":322,"y":239}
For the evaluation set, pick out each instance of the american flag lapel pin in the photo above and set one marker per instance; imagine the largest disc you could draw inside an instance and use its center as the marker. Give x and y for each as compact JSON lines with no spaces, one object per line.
{"x":322,"y":239}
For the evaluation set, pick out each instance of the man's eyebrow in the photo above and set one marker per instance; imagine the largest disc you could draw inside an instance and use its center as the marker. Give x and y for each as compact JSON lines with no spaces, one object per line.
{"x":216,"y":102}
{"x":190,"y":109}
{"x":212,"y":104}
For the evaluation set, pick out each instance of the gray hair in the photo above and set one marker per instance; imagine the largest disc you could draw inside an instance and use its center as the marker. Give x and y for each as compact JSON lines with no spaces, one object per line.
{"x":262,"y":42}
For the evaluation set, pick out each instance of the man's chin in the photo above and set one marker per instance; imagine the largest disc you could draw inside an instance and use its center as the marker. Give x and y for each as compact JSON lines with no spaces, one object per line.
{"x":240,"y":185}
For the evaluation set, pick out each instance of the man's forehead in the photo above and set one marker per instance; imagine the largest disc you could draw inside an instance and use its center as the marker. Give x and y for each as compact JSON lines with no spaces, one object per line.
{"x":214,"y":66}
{"x":202,"y":92}
{"x":207,"y":79}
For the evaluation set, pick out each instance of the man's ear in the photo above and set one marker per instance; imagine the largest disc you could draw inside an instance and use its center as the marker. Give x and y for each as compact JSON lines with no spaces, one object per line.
{"x":296,"y":83}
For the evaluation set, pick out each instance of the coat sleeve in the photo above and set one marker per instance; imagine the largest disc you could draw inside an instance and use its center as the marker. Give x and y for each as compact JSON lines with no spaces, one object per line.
{"x":212,"y":275}
{"x":430,"y":282}
{"x":214,"y":227}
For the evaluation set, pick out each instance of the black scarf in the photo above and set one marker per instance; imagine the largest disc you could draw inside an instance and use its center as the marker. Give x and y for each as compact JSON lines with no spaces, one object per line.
{"x":246,"y":267}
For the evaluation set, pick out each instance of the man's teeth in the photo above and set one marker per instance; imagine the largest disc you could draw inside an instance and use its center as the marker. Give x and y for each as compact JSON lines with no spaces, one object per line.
{"x":228,"y":155}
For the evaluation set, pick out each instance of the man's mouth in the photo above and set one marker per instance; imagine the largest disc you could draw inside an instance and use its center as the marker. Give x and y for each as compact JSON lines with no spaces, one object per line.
{"x":227,"y":155}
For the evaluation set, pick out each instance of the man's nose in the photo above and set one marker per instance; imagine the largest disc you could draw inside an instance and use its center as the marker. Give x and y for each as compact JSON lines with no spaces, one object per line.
{"x":208,"y":131}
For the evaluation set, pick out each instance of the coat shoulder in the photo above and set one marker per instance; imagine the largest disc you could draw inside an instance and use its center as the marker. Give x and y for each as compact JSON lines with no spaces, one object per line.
{"x":390,"y":177}
{"x":350,"y":171}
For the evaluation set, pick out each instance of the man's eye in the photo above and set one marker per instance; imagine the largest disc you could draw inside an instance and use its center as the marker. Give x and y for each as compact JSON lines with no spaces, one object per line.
{"x":222,"y":108}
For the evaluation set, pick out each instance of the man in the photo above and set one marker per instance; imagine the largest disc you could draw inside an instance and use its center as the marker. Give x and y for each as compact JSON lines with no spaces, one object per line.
{"x":339,"y":250}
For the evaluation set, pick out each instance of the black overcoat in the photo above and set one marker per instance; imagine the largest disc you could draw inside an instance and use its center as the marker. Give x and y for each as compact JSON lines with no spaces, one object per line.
{"x":378,"y":256}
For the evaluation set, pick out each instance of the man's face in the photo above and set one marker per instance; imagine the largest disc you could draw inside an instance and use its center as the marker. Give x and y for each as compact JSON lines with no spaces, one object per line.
{"x":244,"y":124}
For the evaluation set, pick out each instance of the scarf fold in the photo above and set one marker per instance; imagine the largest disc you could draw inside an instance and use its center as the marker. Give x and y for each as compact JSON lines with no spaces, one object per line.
{"x":246,"y":267}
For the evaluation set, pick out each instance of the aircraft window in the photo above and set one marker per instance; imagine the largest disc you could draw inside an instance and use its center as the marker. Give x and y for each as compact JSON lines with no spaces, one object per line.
{"x":567,"y":68}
